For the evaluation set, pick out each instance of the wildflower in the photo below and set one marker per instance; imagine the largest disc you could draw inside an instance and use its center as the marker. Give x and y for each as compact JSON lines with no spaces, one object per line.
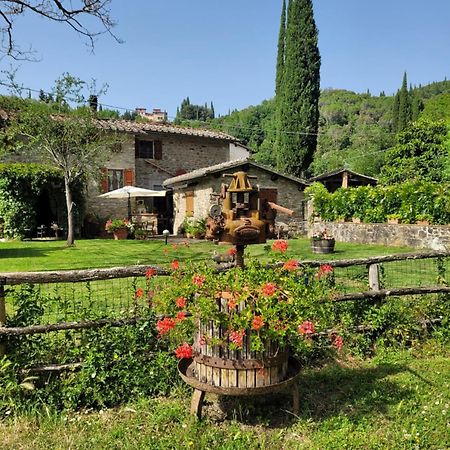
{"x":180,"y":316}
{"x":324,"y":270}
{"x":198,"y":280}
{"x":306,"y":327}
{"x":180,"y":302}
{"x":231,"y":251}
{"x":269,"y":289}
{"x":281,"y":245}
{"x":150,"y":272}
{"x":184,"y":351}
{"x":175,"y":265}
{"x":257,"y":323}
{"x":237,"y":337}
{"x":139,"y":292}
{"x":290,"y":265}
{"x":174,"y":246}
{"x":338,"y":342}
{"x":165,"y":325}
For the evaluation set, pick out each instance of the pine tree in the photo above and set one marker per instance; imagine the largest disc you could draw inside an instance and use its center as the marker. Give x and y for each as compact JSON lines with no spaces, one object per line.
{"x":298,"y":98}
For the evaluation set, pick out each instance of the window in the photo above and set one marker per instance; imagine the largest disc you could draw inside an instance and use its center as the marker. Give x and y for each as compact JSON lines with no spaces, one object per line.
{"x":115,"y":179}
{"x":145,"y":149}
{"x":148,"y":149}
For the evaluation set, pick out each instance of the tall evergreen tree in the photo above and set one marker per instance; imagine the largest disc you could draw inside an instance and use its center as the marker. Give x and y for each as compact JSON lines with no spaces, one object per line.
{"x":298,"y":99}
{"x":404,"y":107}
{"x":281,"y":48}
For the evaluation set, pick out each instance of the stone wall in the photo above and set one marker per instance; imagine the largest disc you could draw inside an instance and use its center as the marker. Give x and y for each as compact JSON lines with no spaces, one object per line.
{"x":432,"y":237}
{"x":179,"y":153}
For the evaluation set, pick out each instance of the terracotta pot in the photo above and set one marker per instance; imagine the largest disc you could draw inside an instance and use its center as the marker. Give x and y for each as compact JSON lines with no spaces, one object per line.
{"x":120,"y":234}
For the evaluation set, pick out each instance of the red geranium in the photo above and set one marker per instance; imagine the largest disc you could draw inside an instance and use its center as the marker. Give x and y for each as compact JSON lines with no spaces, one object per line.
{"x":231,"y":251}
{"x":280,"y":245}
{"x":198,"y":280}
{"x":269,"y":289}
{"x":139,"y":292}
{"x":184,"y":351}
{"x":338,"y":342}
{"x":306,"y":327}
{"x":180,"y":316}
{"x":232,"y":303}
{"x":237,"y":337}
{"x":175,"y":264}
{"x":324,"y":270}
{"x":257,"y":323}
{"x":165,"y":325}
{"x":291,"y":265}
{"x":150,"y":272}
{"x":180,"y":302}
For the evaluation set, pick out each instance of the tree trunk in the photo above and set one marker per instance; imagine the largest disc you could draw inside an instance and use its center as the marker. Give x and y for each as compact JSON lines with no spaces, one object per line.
{"x":69,"y":204}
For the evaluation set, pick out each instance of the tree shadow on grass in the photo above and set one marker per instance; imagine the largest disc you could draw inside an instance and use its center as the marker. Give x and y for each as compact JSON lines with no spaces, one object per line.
{"x":330,"y":391}
{"x":28,"y":252}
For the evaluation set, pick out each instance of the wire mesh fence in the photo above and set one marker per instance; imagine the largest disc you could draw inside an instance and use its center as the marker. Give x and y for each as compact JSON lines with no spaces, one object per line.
{"x":75,"y":296}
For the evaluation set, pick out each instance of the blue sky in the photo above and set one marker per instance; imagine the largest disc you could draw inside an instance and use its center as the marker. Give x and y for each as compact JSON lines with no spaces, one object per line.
{"x":225,"y":51}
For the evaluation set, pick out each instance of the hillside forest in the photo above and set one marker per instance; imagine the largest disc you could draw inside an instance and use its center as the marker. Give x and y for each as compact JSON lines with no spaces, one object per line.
{"x":355,"y":130}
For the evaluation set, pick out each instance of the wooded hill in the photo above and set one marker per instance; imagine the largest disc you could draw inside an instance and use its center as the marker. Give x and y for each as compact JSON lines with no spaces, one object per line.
{"x":355,"y":129}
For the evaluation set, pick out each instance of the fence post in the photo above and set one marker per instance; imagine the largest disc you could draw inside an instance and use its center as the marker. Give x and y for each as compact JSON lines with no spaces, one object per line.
{"x":374,"y":280}
{"x":2,"y":314}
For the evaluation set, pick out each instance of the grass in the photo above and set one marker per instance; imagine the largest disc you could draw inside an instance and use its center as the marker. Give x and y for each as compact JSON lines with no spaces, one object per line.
{"x":398,"y":400}
{"x":95,"y":253}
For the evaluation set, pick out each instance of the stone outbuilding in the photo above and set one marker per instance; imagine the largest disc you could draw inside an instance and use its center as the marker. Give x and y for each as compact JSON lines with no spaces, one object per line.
{"x":195,"y":192}
{"x":343,"y":178}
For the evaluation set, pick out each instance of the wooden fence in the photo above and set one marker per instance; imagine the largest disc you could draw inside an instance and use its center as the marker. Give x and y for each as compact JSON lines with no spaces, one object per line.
{"x":373,"y":267}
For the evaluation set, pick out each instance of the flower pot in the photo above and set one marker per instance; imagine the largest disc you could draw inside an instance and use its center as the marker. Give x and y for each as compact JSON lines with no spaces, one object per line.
{"x":220,"y":366}
{"x":356,"y":220}
{"x":423,"y":222}
{"x":392,"y":221}
{"x":322,"y":245}
{"x":120,"y":234}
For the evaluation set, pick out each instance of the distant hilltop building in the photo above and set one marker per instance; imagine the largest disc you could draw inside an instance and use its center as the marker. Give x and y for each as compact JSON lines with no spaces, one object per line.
{"x":155,"y":116}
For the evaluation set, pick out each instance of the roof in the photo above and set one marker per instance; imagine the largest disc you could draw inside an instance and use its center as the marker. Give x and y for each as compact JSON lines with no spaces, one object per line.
{"x":339,"y":171}
{"x":205,"y":171}
{"x":128,"y":126}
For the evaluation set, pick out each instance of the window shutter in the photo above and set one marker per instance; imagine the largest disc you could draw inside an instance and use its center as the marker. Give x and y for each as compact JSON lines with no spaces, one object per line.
{"x":158,"y":149}
{"x":103,"y":180}
{"x":128,"y":177}
{"x":190,"y":203}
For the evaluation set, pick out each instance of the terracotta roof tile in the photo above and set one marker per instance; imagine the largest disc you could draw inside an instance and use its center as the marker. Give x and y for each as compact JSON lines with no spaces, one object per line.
{"x":128,"y":126}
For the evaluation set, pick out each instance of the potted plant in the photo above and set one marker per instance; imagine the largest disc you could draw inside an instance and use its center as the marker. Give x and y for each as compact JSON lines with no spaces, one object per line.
{"x":239,"y":327}
{"x":322,"y":242}
{"x":423,"y":219}
{"x":393,"y":218}
{"x":194,"y":228}
{"x":140,"y":234}
{"x":118,"y":227}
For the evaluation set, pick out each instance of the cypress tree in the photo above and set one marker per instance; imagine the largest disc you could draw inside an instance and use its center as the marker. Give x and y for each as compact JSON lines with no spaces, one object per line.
{"x":298,"y":99}
{"x":404,"y":107}
{"x":395,"y":111}
{"x":281,"y":47}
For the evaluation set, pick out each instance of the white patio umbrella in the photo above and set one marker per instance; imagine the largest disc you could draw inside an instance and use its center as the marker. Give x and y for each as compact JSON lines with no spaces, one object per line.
{"x":132,"y":191}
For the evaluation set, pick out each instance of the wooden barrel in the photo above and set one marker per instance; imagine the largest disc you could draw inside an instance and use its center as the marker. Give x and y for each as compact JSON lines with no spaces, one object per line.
{"x":217,"y":365}
{"x":322,"y":245}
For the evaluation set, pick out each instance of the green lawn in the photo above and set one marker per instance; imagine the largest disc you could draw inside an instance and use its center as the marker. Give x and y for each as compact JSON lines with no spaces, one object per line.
{"x":398,"y":400}
{"x":96,"y":253}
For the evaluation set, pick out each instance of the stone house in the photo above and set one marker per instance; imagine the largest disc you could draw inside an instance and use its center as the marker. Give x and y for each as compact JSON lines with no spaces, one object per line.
{"x":195,"y":192}
{"x":149,"y":154}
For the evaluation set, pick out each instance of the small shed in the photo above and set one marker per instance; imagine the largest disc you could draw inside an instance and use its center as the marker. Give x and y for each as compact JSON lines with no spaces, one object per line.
{"x":343,"y":178}
{"x":195,"y":192}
